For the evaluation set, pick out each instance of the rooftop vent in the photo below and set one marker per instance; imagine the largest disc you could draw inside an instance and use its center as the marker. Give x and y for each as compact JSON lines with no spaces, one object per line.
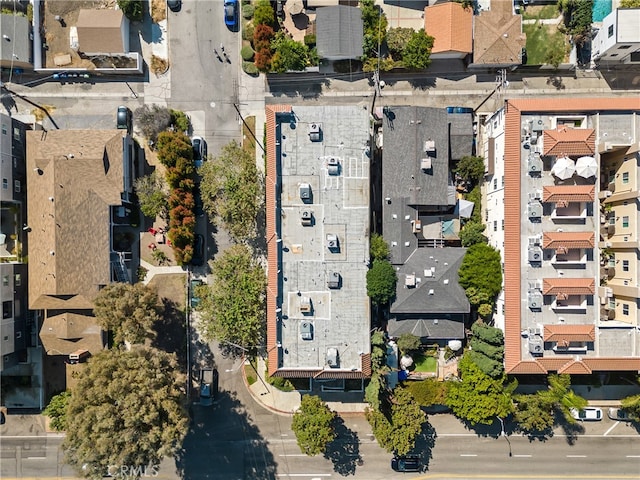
{"x":425,"y":164}
{"x":315,"y":132}
{"x":430,"y":147}
{"x":334,"y":280}
{"x":410,"y":280}
{"x":432,"y":291}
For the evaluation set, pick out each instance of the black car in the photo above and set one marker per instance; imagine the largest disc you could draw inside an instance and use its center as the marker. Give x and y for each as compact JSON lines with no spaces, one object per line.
{"x":406,"y":463}
{"x":198,"y":251}
{"x":199,"y":208}
{"x":123,"y":119}
{"x":174,"y":5}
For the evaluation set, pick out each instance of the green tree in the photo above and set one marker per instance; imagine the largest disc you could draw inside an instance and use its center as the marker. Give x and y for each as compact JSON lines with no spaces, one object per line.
{"x":481,"y":268}
{"x":232,"y":192}
{"x":397,"y":40}
{"x":408,"y":343}
{"x":375,"y":390}
{"x":57,"y":411}
{"x":129,"y":311}
{"x":560,"y":395}
{"x":152,"y":195}
{"x":533,"y":413}
{"x":397,"y":434}
{"x":132,"y":9}
{"x":375,"y":27}
{"x":288,"y":54}
{"x":180,"y":120}
{"x":128,"y":408}
{"x":632,"y":405}
{"x":381,"y":282}
{"x":479,"y":398}
{"x":428,"y":392}
{"x":233,"y":309}
{"x":629,"y":3}
{"x":379,"y":248}
{"x":313,"y":425}
{"x":471,"y":234}
{"x":471,"y":168}
{"x":416,"y":55}
{"x":263,"y":13}
{"x":151,"y":120}
{"x":475,"y":196}
{"x":378,"y":351}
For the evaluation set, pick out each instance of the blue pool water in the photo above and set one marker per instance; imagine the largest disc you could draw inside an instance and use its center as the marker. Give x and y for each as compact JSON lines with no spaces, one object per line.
{"x":601,"y":8}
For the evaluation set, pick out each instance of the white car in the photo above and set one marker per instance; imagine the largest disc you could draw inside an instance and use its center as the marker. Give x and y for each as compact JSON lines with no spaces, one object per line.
{"x":591,"y":414}
{"x":619,"y":415}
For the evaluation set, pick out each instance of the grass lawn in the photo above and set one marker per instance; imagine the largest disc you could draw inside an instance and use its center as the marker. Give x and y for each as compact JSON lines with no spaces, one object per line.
{"x":542,"y":11}
{"x":248,"y":143}
{"x":425,"y":363}
{"x":542,"y":42}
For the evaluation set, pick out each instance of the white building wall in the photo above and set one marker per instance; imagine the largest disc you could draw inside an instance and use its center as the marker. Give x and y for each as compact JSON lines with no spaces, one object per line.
{"x":6,"y":159}
{"x":618,"y":37}
{"x":493,"y":196}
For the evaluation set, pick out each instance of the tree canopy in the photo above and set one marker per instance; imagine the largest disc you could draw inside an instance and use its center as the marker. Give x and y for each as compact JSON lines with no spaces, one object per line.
{"x":231,"y":191}
{"x":151,"y":120}
{"x":560,"y":395}
{"x":233,"y":309}
{"x":632,"y":405}
{"x":397,"y":39}
{"x":408,"y":342}
{"x":398,"y":432}
{"x":128,"y":408}
{"x":152,"y":196}
{"x":129,"y":311}
{"x":487,"y":346}
{"x":471,"y":169}
{"x":379,"y":248}
{"x":429,"y":391}
{"x":263,"y":13}
{"x":381,"y":282}
{"x":416,"y":54}
{"x":481,"y":269}
{"x":288,"y":54}
{"x":375,"y":27}
{"x":471,"y":234}
{"x":479,"y":398}
{"x":132,"y":9}
{"x":629,"y":3}
{"x":313,"y":425}
{"x":57,"y":411}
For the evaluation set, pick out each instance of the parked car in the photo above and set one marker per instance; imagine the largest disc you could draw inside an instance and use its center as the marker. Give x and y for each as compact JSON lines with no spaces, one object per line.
{"x":231,"y":13}
{"x":198,"y":251}
{"x":199,"y":150}
{"x":208,"y":386}
{"x":619,"y":414}
{"x":589,"y":414}
{"x":123,"y":119}
{"x":193,"y":287}
{"x":199,"y":209}
{"x":174,"y":5}
{"x":406,"y":463}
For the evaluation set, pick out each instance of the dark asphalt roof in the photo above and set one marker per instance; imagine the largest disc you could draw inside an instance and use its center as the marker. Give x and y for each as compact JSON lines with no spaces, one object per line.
{"x":339,"y":32}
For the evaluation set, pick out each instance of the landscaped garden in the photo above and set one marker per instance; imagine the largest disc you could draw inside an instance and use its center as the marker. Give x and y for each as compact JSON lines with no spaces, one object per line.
{"x":425,"y":363}
{"x":546,"y":44}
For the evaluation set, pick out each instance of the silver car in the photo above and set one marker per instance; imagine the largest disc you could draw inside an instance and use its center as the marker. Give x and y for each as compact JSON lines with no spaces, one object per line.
{"x":619,"y":415}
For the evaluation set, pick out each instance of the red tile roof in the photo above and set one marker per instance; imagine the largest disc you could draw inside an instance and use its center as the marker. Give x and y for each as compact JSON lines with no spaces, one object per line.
{"x":451,"y":27}
{"x":568,"y":286}
{"x":569,"y":333}
{"x":554,"y":240}
{"x":512,"y":246}
{"x":569,"y":141}
{"x":569,"y":193}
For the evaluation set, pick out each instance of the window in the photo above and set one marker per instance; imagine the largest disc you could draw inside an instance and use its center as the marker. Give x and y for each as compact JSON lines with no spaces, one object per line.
{"x":503,"y":180}
{"x":625,"y":221}
{"x":610,"y":32}
{"x":495,"y":225}
{"x":625,"y":309}
{"x":7,"y":309}
{"x":614,"y":54}
{"x":624,"y":47}
{"x":625,"y":265}
{"x":5,"y":280}
{"x":625,"y":177}
{"x":17,"y":186}
{"x":17,"y":280}
{"x":4,"y":129}
{"x":16,"y":133}
{"x":503,"y":224}
{"x":5,"y":184}
{"x":495,"y":183}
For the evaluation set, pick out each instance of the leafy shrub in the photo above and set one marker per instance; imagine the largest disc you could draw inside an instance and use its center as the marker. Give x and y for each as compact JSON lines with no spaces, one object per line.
{"x":159,"y":65}
{"x":132,"y":9}
{"x":263,"y":13}
{"x":247,"y":32}
{"x":247,"y":53}
{"x":280,"y":383}
{"x":250,"y":68}
{"x":428,"y":392}
{"x":247,"y":11}
{"x":310,"y":40}
{"x":180,"y":120}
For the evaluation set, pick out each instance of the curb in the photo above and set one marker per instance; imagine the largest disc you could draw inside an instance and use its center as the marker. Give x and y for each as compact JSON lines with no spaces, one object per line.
{"x":258,"y":400}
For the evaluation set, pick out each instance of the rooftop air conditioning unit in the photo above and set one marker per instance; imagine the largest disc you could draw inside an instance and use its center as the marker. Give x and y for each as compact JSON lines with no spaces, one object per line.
{"x":334,"y":280}
{"x":534,"y":210}
{"x":332,"y":241}
{"x":315,"y":132}
{"x":333,"y":166}
{"x":429,"y":146}
{"x":306,"y":218}
{"x":305,"y":192}
{"x":425,"y":164}
{"x":534,"y":164}
{"x":534,"y":240}
{"x":306,"y":331}
{"x":537,"y":125}
{"x":534,"y":300}
{"x":535,"y":345}
{"x":535,"y":254}
{"x":305,"y":305}
{"x":332,"y":357}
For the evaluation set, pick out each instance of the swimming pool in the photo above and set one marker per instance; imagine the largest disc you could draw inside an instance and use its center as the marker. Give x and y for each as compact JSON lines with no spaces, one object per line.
{"x":601,"y":8}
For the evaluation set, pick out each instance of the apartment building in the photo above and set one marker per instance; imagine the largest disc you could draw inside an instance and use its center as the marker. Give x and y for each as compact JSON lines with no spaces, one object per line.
{"x":571,"y":245}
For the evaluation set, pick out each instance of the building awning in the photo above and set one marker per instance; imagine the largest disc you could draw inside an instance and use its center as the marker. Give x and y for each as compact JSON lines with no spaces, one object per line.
{"x":568,"y":286}
{"x":569,"y":193}
{"x":569,"y":333}
{"x":560,"y":241}
{"x":569,"y":141}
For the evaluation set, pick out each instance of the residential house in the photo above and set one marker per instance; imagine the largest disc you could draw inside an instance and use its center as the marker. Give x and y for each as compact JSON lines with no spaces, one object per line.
{"x":16,"y":44}
{"x":317,"y":195}
{"x":102,"y":32}
{"x":570,"y":243}
{"x":498,"y":39}
{"x":618,"y":39}
{"x":80,"y":186}
{"x":451,"y":26}
{"x":420,"y":216}
{"x":339,"y":32}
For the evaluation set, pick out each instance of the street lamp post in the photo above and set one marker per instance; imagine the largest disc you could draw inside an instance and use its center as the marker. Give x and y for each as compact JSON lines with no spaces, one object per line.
{"x":504,"y":434}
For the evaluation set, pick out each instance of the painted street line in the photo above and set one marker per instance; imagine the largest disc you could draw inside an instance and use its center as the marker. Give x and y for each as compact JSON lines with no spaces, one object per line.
{"x":304,"y":475}
{"x":292,"y":455}
{"x":611,"y":428}
{"x":523,"y":456}
{"x":468,"y":455}
{"x":576,"y":456}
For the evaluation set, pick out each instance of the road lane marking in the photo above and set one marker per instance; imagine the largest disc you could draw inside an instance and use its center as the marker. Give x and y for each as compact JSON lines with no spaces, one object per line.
{"x":468,"y":455}
{"x":633,"y":456}
{"x":611,"y":428}
{"x":292,"y":455}
{"x":304,"y":475}
{"x":576,"y":456}
{"x":522,"y":455}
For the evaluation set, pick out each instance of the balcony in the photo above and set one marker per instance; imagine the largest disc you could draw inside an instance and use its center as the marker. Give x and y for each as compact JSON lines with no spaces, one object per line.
{"x":570,"y":347}
{"x":569,"y":211}
{"x":571,"y":257}
{"x":569,"y":303}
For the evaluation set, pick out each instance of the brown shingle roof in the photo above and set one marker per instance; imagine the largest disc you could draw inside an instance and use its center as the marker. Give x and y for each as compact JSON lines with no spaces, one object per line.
{"x":451,"y":27}
{"x":569,"y":141}
{"x":568,"y":286}
{"x":569,"y":333}
{"x":569,"y":193}
{"x":73,"y":177}
{"x":497,"y":36}
{"x":553,"y":240}
{"x":67,"y":332}
{"x":100,"y":31}
{"x":512,"y":246}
